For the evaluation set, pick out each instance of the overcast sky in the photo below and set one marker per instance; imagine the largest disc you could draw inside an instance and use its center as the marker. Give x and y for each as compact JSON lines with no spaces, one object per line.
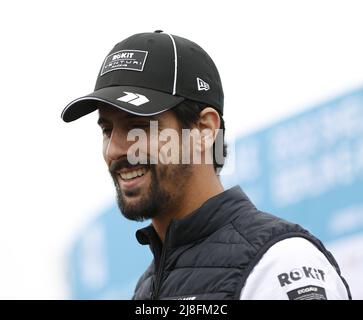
{"x":276,"y":58}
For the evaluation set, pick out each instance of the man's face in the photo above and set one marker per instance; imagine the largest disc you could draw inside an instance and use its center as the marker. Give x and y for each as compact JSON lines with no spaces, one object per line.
{"x":143,"y":190}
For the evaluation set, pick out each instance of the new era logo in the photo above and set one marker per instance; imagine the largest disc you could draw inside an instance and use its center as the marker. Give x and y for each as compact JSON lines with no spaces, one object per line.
{"x":202,"y":85}
{"x":134,"y":98}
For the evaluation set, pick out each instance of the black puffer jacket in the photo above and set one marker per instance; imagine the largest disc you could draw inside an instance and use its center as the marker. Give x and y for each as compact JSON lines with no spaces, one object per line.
{"x":210,"y":253}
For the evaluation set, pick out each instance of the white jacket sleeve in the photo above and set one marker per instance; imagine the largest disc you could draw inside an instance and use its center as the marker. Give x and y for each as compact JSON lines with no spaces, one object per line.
{"x":294,"y":269}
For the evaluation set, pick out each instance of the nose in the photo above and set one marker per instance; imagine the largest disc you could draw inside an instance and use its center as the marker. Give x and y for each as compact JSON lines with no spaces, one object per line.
{"x":115,"y":146}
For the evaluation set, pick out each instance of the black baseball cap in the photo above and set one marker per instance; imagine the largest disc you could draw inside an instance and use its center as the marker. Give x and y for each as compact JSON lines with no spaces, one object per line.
{"x":149,"y":73}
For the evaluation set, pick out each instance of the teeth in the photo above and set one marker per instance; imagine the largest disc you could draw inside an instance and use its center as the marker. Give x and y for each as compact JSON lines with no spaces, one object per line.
{"x":133,"y":174}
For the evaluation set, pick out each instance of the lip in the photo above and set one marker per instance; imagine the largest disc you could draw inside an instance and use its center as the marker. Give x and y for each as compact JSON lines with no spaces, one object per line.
{"x":133,"y":183}
{"x":126,"y":170}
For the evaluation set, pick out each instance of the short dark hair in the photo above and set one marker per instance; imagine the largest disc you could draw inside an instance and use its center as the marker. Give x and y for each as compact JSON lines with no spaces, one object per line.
{"x":188,"y":113}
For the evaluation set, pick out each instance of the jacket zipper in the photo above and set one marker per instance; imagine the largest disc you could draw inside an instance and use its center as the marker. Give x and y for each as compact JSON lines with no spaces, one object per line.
{"x":156,"y":288}
{"x":158,"y":276}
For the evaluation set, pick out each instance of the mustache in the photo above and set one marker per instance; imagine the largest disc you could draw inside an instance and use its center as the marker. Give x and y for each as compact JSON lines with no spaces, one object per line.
{"x":122,"y":163}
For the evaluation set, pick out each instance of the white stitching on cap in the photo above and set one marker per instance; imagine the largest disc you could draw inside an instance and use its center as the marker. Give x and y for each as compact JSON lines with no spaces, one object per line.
{"x":175,"y":63}
{"x":108,"y":102}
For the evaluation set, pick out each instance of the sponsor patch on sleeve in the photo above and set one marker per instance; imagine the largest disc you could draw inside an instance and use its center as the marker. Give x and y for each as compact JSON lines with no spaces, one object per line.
{"x":303,"y":273}
{"x":307,"y":293}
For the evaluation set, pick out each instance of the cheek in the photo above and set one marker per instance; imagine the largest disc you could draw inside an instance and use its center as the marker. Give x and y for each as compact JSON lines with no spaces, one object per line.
{"x":138,"y":150}
{"x":144,"y":146}
{"x":105,"y":146}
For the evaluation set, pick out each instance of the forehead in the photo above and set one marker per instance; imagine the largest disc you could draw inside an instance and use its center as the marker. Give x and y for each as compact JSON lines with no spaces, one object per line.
{"x":112,"y":113}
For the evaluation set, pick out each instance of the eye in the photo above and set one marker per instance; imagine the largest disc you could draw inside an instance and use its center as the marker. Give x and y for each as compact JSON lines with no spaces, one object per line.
{"x":143,"y":125}
{"x":106,"y":131}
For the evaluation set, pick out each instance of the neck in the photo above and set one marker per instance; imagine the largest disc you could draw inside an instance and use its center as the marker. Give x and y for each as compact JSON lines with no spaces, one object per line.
{"x":199,"y":189}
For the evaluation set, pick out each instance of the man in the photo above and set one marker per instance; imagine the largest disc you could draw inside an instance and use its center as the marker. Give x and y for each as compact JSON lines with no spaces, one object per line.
{"x":207,"y":242}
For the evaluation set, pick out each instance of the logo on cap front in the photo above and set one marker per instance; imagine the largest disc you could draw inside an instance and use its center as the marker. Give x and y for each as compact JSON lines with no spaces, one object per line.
{"x":125,"y":59}
{"x":136,"y":99}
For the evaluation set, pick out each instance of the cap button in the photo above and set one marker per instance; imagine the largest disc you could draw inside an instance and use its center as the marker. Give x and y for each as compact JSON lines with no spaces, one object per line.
{"x":158,"y":31}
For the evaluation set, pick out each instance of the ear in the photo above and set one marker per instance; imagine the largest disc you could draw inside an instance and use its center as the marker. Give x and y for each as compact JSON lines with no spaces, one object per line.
{"x":208,"y":124}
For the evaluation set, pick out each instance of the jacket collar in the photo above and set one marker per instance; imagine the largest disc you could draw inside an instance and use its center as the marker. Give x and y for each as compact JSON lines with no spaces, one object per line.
{"x":211,"y":216}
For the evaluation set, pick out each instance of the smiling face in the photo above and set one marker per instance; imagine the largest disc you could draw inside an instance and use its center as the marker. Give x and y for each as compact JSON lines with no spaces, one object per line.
{"x":143,"y":190}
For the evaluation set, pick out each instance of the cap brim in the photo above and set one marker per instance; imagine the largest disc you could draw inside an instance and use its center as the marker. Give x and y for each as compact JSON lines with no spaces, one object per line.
{"x":135,"y":100}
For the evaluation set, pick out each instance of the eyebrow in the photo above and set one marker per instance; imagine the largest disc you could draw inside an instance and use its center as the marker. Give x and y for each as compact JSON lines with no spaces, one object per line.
{"x":103,"y":120}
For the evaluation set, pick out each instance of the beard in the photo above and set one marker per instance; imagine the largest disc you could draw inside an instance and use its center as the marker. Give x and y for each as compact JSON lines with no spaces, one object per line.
{"x":163,"y":195}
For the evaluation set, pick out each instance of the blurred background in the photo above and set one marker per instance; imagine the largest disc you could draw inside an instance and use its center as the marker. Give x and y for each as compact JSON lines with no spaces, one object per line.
{"x":292,"y":73}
